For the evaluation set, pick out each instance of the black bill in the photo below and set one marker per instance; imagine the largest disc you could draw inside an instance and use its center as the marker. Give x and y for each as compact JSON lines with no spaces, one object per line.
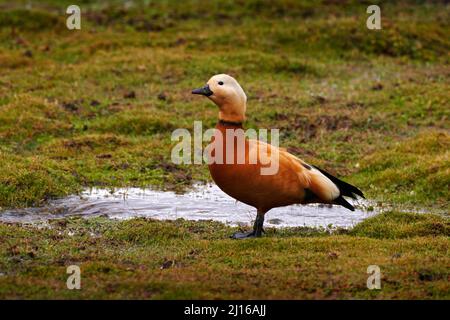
{"x":206,"y":91}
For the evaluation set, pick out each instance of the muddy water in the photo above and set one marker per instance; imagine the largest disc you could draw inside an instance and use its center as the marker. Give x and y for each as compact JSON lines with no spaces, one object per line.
{"x":204,"y":202}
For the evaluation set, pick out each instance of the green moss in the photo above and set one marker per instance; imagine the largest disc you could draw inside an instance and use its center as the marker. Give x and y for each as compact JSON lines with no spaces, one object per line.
{"x":148,"y":259}
{"x":368,"y":106}
{"x":27,"y":118}
{"x":397,"y":225}
{"x":30,"y":20}
{"x":339,"y":93}
{"x":415,"y":170}
{"x":423,"y":41}
{"x":30,"y":181}
{"x":135,"y":122}
{"x":14,"y":60}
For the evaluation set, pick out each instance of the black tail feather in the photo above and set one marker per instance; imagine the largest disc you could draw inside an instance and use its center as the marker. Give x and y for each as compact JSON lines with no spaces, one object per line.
{"x":345,"y":188}
{"x":341,"y":201}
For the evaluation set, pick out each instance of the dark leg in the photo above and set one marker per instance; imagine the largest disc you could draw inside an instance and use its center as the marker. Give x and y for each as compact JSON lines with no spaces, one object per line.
{"x":257,"y":228}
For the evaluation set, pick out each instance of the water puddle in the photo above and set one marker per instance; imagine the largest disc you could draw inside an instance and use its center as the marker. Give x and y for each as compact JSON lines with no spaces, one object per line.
{"x":203,"y":202}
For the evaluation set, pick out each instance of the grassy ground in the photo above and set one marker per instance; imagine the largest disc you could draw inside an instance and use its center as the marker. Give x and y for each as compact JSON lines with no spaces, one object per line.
{"x":96,"y":107}
{"x":174,"y":260}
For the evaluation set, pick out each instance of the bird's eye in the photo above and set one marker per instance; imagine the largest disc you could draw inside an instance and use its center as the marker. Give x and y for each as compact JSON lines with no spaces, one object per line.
{"x":221,"y":83}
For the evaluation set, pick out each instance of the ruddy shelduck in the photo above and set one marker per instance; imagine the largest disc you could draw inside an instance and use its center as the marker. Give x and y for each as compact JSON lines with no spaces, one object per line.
{"x":294,"y":182}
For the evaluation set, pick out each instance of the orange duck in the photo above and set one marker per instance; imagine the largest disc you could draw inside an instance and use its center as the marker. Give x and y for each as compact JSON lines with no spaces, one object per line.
{"x":294,"y":181}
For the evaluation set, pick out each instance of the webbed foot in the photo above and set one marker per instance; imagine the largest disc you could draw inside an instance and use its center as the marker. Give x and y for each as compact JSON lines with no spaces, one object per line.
{"x":257,"y":229}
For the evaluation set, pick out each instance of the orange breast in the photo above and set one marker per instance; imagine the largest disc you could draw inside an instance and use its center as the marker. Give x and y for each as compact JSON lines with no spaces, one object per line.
{"x":244,"y":182}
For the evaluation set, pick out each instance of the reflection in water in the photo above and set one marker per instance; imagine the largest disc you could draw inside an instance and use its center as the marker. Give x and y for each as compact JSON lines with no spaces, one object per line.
{"x":204,"y":202}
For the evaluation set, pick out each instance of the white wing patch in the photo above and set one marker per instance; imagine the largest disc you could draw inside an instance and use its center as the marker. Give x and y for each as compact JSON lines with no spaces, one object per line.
{"x":329,"y":190}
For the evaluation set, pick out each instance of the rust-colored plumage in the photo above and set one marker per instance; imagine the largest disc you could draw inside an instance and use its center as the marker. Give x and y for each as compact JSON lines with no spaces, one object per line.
{"x":294,"y":182}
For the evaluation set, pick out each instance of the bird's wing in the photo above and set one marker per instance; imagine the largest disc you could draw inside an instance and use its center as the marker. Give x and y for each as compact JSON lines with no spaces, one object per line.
{"x":308,"y":176}
{"x":320,"y":184}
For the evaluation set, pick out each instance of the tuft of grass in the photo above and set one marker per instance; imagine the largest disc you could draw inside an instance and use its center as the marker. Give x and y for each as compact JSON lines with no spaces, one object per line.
{"x":27,"y":118}
{"x":13,"y":60}
{"x":398,"y":225}
{"x":424,"y":42}
{"x":135,"y":122}
{"x":416,"y":170}
{"x":33,"y":180}
{"x":30,"y":20}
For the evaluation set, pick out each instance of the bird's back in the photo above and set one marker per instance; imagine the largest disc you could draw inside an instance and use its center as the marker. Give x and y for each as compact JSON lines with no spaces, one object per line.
{"x":246,"y":183}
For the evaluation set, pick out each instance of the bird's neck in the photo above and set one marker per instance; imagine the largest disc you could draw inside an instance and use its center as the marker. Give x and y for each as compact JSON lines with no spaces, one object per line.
{"x":227,"y":133}
{"x":229,"y":124}
{"x":232,"y":112}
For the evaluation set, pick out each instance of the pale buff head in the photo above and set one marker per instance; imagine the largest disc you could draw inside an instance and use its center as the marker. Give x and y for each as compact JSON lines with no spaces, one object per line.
{"x":228,"y":95}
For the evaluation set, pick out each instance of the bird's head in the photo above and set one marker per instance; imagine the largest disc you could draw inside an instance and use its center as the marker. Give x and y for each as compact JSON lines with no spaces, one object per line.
{"x":227,"y":94}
